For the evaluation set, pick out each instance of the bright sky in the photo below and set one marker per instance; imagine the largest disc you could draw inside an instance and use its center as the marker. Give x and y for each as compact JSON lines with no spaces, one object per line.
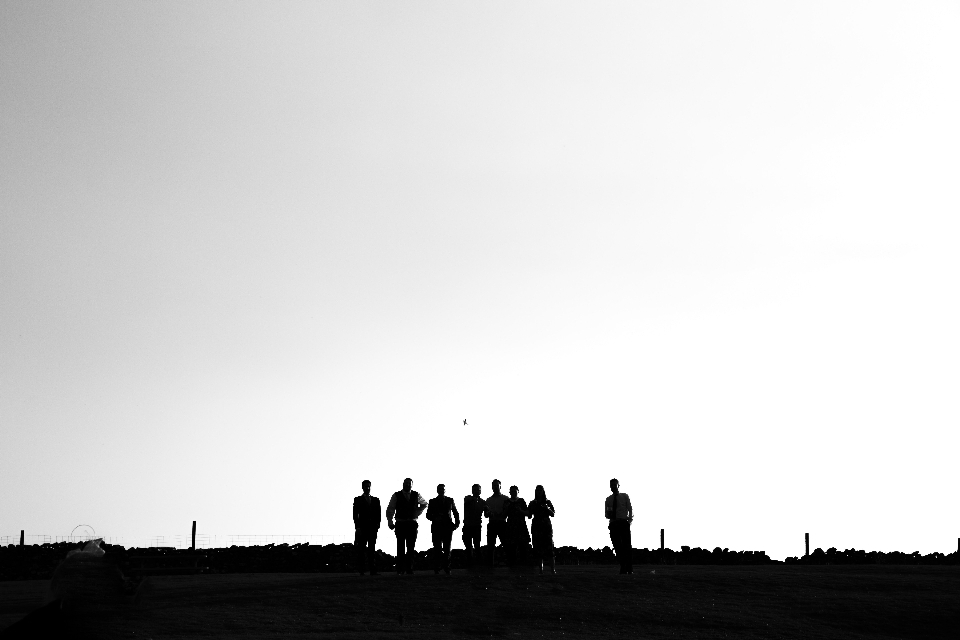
{"x":253,"y":253}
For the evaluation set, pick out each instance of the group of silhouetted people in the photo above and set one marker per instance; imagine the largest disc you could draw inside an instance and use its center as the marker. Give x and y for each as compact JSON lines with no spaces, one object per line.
{"x":506,"y":522}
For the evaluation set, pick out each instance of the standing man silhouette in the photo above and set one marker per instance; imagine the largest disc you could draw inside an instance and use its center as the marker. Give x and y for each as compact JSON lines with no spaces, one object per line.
{"x":497,"y":521}
{"x":366,"y":524}
{"x":473,"y":509}
{"x":442,"y":528}
{"x":618,"y":510}
{"x":407,"y":504}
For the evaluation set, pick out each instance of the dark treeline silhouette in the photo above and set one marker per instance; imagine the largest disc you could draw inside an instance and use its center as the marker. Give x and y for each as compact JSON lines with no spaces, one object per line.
{"x":859,"y":556}
{"x":38,"y":562}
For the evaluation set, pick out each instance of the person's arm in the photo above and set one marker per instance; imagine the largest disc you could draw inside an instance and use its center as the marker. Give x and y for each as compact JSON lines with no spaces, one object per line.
{"x":629,"y":509}
{"x":422,"y":504}
{"x":356,"y":514}
{"x":456,"y":514}
{"x":430,"y":510}
{"x":522,"y":508}
{"x":391,"y":509}
{"x":378,"y":512}
{"x":550,"y":509}
{"x":607,"y":504}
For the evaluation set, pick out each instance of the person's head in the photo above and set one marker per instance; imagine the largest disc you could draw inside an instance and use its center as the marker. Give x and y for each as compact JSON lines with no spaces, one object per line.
{"x":495,"y":485}
{"x":366,"y":487}
{"x":441,"y":490}
{"x":407,"y":484}
{"x":540,"y":494}
{"x":514,"y":490}
{"x":476,"y":490}
{"x":614,"y":485}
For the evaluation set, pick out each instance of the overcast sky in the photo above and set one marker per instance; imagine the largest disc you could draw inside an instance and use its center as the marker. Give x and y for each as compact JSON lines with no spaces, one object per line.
{"x":253,"y":253}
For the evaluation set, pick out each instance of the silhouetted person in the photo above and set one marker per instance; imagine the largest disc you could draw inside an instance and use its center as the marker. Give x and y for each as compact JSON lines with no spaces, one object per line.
{"x":517,"y":533}
{"x":366,"y":524}
{"x":407,"y":505}
{"x":473,"y":509}
{"x":618,"y":510}
{"x":497,"y":521}
{"x":542,"y":510}
{"x":439,"y":513}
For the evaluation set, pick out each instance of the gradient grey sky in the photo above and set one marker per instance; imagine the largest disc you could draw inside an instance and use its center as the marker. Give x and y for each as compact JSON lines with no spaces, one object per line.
{"x":253,"y":253}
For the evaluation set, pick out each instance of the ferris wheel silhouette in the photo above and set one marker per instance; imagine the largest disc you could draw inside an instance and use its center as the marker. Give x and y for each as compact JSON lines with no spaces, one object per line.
{"x":83,"y":533}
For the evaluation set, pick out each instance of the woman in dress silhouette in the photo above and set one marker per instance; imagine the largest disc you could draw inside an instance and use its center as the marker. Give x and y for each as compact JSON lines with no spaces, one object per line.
{"x":542,"y":510}
{"x":517,"y":533}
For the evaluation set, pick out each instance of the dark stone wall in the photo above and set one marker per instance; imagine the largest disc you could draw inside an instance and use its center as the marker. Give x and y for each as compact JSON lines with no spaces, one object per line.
{"x":33,"y":562}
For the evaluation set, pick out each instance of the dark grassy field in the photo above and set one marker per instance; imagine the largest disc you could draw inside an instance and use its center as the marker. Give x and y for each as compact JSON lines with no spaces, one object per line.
{"x":590,"y":601}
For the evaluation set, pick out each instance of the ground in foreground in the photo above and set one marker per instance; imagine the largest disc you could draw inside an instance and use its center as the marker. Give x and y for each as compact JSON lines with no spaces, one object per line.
{"x":655,"y":602}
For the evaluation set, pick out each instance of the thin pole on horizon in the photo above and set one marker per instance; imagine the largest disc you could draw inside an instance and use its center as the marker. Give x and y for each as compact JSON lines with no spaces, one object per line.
{"x":193,"y":537}
{"x":661,"y":539}
{"x":806,"y":541}
{"x":21,"y":539}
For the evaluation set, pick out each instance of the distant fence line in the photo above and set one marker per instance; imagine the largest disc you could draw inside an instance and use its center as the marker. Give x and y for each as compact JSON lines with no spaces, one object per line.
{"x":204,"y":541}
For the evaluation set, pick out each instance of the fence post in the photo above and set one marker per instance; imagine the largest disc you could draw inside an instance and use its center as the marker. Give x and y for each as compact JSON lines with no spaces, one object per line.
{"x":193,"y":537}
{"x":806,"y":540}
{"x":21,"y":538}
{"x":661,"y":539}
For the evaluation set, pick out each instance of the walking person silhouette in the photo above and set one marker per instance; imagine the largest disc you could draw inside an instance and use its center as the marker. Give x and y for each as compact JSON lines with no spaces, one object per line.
{"x":366,"y":524}
{"x":474,"y":508}
{"x":407,"y":505}
{"x":542,"y":528}
{"x":618,"y":510}
{"x":439,"y":511}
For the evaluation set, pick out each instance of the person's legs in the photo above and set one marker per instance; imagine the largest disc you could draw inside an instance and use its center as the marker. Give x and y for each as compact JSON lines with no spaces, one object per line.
{"x":492,"y":542}
{"x":472,"y":537}
{"x":447,"y":537}
{"x":615,"y":538}
{"x":401,"y":548}
{"x":550,"y":549}
{"x":627,"y":544}
{"x":411,"y":536}
{"x":372,"y":551}
{"x":437,"y":553}
{"x":505,"y":542}
{"x":523,"y":548}
{"x":467,"y":538}
{"x":359,"y":543}
{"x":509,"y":541}
{"x":476,"y":533}
{"x":622,"y":545}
